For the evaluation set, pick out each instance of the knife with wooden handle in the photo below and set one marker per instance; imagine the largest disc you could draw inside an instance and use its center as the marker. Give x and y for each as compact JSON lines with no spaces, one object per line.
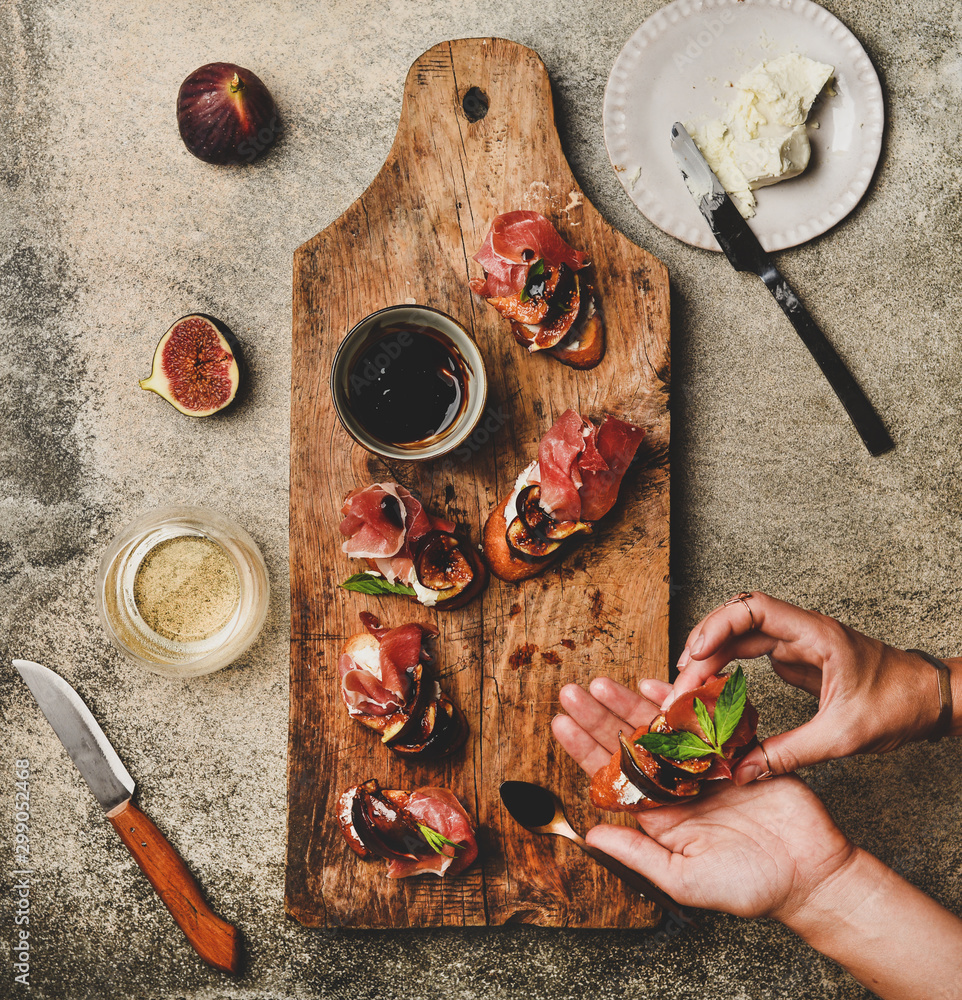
{"x":741,"y":247}
{"x":216,"y":941}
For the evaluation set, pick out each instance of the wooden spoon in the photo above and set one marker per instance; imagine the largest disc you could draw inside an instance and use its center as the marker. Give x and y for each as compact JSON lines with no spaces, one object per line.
{"x":540,"y":811}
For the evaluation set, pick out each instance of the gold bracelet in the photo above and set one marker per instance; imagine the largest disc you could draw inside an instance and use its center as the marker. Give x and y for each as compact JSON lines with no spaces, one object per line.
{"x":944,"y":720}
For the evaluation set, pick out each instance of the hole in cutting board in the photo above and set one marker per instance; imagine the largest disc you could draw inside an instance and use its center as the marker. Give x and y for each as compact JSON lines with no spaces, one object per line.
{"x":475,"y":104}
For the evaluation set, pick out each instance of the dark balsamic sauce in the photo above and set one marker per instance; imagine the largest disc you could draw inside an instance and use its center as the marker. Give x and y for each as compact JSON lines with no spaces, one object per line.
{"x":407,"y":386}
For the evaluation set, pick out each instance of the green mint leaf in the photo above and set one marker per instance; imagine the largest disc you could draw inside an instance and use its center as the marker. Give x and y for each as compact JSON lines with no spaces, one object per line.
{"x":436,"y":841}
{"x":731,"y":705}
{"x":366,"y":583}
{"x":675,"y":746}
{"x":704,"y":720}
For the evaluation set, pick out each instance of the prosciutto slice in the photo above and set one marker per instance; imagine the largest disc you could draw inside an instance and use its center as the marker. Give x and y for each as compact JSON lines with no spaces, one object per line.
{"x":514,"y":242}
{"x":377,"y":676}
{"x":373,"y":519}
{"x":384,"y":523}
{"x":581,"y":466}
{"x":386,"y":687}
{"x":440,"y":810}
{"x":387,"y":823}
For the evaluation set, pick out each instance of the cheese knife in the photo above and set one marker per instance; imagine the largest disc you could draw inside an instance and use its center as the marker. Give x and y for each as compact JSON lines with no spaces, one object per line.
{"x":216,"y":941}
{"x":741,"y":247}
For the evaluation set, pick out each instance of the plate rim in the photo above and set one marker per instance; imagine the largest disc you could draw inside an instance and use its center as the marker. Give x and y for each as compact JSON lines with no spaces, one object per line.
{"x":795,"y":232}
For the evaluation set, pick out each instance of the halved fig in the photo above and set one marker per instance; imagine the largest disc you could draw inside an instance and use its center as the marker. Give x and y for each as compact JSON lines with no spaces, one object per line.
{"x":450,"y":600}
{"x":196,"y":366}
{"x":523,"y":540}
{"x":642,"y":769}
{"x":440,"y":563}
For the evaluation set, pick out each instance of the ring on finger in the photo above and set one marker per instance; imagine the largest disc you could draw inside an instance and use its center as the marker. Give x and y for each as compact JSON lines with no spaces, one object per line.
{"x":742,"y":598}
{"x":765,"y":775}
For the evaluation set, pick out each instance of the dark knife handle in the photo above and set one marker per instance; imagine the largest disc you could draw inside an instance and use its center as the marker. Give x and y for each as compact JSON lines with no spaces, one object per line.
{"x":867,"y":422}
{"x":637,"y":882}
{"x":216,"y":941}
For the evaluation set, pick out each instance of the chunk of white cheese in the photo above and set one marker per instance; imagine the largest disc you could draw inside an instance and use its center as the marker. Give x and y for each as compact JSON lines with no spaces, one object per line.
{"x":764,"y":139}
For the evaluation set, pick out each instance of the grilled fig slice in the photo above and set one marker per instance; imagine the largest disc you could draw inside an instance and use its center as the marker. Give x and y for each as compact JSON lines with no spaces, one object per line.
{"x":196,"y":366}
{"x":446,"y":559}
{"x":226,"y":115}
{"x":584,"y":344}
{"x":643,"y":770}
{"x":539,"y":522}
{"x":382,"y":828}
{"x":440,"y":564}
{"x":529,"y":509}
{"x":443,"y":730}
{"x":529,"y":544}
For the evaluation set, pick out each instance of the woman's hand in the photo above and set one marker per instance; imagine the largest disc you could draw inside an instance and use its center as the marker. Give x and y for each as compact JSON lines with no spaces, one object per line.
{"x":771,"y":850}
{"x":872,"y":697}
{"x":759,"y":851}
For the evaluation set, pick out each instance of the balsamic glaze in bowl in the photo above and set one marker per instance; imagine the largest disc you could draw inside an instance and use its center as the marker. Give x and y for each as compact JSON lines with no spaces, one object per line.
{"x":408,"y":382}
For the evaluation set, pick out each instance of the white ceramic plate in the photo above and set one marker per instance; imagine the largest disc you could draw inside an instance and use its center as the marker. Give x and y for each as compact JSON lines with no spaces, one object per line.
{"x":678,"y":66}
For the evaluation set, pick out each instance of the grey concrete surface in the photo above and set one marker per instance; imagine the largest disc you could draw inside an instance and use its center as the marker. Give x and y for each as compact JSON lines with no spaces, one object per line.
{"x":110,"y":230}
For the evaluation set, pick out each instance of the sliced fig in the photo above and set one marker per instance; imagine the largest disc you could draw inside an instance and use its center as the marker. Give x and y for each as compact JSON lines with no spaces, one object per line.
{"x":583,"y":346}
{"x":440,"y":564}
{"x":196,"y":366}
{"x":540,"y":522}
{"x":528,"y":543}
{"x":558,"y":531}
{"x":683,"y":770}
{"x":565,"y":305}
{"x":643,"y":770}
{"x":382,"y":828}
{"x":226,"y":115}
{"x":450,"y":600}
{"x":443,"y":730}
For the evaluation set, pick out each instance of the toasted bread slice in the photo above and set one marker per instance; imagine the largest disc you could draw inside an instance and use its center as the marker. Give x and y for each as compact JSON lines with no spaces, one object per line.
{"x":503,"y":561}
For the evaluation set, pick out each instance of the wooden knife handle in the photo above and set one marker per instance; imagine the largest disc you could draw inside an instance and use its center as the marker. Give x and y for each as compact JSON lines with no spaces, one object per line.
{"x":216,"y":941}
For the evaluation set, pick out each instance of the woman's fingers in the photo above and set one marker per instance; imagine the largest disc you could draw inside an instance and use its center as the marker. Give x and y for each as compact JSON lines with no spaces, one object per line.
{"x":814,"y":742}
{"x":741,"y":629}
{"x":654,"y":690}
{"x":623,"y":702}
{"x":581,"y":746}
{"x":592,"y":716}
{"x":589,"y":732}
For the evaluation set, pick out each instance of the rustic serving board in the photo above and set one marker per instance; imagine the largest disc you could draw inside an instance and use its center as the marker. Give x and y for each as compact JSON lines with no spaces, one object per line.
{"x":503,"y":658}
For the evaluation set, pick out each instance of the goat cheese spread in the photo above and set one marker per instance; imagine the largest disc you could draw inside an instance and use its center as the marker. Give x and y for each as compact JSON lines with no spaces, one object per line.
{"x":764,"y":138}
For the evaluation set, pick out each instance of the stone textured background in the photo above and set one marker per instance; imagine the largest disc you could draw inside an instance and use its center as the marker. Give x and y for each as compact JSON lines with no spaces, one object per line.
{"x":110,"y":230}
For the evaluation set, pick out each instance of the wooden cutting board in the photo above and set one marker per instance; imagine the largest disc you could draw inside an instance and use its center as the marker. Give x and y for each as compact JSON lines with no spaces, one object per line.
{"x":503,"y":658}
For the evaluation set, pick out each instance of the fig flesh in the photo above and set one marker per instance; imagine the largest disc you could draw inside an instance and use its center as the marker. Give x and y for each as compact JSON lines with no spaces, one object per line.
{"x":643,"y":770}
{"x":226,"y":115}
{"x":528,"y":543}
{"x":195,"y":366}
{"x":539,"y":522}
{"x":440,"y":563}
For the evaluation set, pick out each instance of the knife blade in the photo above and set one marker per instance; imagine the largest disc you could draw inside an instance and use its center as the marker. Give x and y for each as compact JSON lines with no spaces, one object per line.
{"x":215,"y":940}
{"x":740,"y":245}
